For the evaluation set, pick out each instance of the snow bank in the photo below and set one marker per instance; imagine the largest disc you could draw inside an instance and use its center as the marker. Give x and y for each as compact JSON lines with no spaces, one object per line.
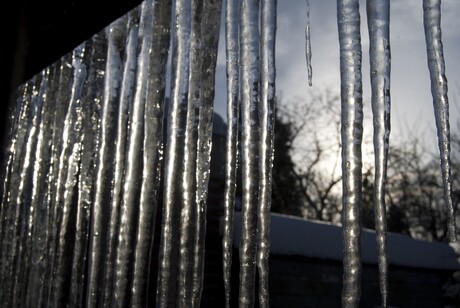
{"x":296,"y":236}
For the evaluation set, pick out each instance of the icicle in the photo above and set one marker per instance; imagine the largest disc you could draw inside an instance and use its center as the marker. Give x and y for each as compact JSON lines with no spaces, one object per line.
{"x":378,"y":18}
{"x":103,"y":187}
{"x":131,"y":190}
{"x":231,"y":158}
{"x":11,"y":182}
{"x":70,"y":156}
{"x":23,"y":138}
{"x":352,"y":128}
{"x":92,"y":94}
{"x":267,"y":122}
{"x":58,"y":169}
{"x":23,"y":222}
{"x":40,"y":203}
{"x":189,"y":208}
{"x":12,"y":152}
{"x":153,"y":147}
{"x":250,"y":83}
{"x":432,"y":24}
{"x":308,"y":46}
{"x":210,"y":38}
{"x":65,"y":160}
{"x":170,"y":236}
{"x":126,"y":42}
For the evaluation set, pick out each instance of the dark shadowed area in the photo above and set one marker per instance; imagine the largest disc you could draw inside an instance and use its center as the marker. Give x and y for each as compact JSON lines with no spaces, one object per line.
{"x":37,"y":33}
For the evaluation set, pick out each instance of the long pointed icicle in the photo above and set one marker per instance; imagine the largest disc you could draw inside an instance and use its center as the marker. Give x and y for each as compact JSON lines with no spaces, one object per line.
{"x":40,"y":202}
{"x":18,"y":122}
{"x":131,"y":190}
{"x":70,"y":157}
{"x":99,"y":219}
{"x":210,"y":39}
{"x":308,"y":45}
{"x":231,"y":158}
{"x":56,"y":173}
{"x":436,"y":65}
{"x":168,"y":266}
{"x":10,"y":197}
{"x":352,"y":129}
{"x":250,"y":83}
{"x":89,"y":113}
{"x":23,"y":222}
{"x":11,"y":152}
{"x":189,"y":213}
{"x":266,"y":147}
{"x":378,"y":18}
{"x":125,"y":41}
{"x":153,"y":150}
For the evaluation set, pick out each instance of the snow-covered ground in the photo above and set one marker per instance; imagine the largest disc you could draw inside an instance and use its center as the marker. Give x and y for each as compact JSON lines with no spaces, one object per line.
{"x":296,"y":236}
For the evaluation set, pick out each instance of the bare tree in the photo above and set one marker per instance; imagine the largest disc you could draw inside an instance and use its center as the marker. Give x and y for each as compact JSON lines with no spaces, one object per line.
{"x":307,"y":171}
{"x":309,"y":134}
{"x":414,"y":193}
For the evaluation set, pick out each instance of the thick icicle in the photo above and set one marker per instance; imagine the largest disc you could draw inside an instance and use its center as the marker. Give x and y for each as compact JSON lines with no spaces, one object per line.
{"x":378,"y":19}
{"x":153,"y":150}
{"x":436,"y":65}
{"x":70,"y":156}
{"x":250,"y":84}
{"x":23,"y":219}
{"x":308,"y":46}
{"x":11,"y":152}
{"x":352,"y":129}
{"x":134,"y":164}
{"x":168,"y":268}
{"x":231,"y":157}
{"x":16,"y":135}
{"x":12,"y":180}
{"x":126,"y":42}
{"x":103,"y":186}
{"x":210,"y":39}
{"x":56,"y":174}
{"x":188,"y":215}
{"x":266,"y":147}
{"x":40,"y":201}
{"x":92,"y":94}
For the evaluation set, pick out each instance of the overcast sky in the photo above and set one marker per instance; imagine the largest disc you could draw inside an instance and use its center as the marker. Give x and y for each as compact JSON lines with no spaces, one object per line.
{"x":412,"y":107}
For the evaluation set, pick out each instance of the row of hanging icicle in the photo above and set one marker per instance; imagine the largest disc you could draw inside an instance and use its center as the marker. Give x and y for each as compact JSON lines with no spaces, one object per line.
{"x":85,"y":157}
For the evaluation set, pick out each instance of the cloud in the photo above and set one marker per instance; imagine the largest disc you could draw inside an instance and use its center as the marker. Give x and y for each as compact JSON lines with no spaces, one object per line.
{"x":411,"y":96}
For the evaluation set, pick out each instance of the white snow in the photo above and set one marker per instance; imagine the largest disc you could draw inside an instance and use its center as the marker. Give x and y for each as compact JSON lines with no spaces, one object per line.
{"x":314,"y":239}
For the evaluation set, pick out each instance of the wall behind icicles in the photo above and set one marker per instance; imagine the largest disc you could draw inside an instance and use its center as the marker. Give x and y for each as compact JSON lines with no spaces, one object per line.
{"x":95,"y":151}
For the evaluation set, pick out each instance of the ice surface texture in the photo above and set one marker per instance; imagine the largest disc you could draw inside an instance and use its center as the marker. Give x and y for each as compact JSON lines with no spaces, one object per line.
{"x":92,"y":139}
